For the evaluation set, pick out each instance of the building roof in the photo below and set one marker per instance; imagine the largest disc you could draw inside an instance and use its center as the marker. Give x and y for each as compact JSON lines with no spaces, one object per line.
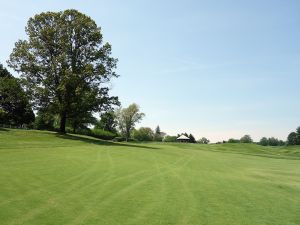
{"x":183,"y":137}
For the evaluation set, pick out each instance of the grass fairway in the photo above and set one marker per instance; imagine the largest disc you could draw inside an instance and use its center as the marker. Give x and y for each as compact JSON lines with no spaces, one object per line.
{"x":50,"y":179}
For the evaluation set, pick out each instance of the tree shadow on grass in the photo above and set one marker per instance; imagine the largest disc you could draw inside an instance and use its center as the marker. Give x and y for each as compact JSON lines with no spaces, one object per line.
{"x":92,"y":140}
{"x":3,"y":129}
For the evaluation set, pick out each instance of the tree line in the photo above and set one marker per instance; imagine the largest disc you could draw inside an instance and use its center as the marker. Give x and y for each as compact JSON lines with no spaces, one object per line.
{"x":65,"y":70}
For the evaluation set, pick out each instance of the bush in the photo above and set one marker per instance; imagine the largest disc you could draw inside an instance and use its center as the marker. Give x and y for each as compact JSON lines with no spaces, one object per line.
{"x":102,"y":134}
{"x":158,"y":137}
{"x":143,"y":134}
{"x":246,"y":139}
{"x":264,"y":141}
{"x":170,"y":138}
{"x":271,"y":142}
{"x":203,"y":140}
{"x":232,"y":140}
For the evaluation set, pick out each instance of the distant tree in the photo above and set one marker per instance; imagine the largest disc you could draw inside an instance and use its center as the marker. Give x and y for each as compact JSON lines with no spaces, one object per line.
{"x":170,"y":138}
{"x":281,"y":143}
{"x":273,"y":141}
{"x":157,"y":134}
{"x":157,"y":130}
{"x":264,"y":141}
{"x":65,"y":63}
{"x":107,"y":122}
{"x":246,"y":139}
{"x":15,"y":108}
{"x":298,"y":134}
{"x":127,"y":118}
{"x":192,"y":139}
{"x":143,"y":134}
{"x":232,"y":140}
{"x":292,"y":139}
{"x":203,"y":140}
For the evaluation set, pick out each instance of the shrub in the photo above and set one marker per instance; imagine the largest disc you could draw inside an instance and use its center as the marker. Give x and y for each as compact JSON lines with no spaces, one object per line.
{"x":292,"y":138}
{"x":170,"y":138}
{"x":246,"y":139}
{"x":264,"y":141}
{"x":102,"y":134}
{"x":203,"y":140}
{"x":143,"y":134}
{"x":271,"y":142}
{"x":232,"y":140}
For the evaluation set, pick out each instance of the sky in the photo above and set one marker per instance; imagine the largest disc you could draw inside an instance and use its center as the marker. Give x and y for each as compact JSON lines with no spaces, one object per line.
{"x":218,"y":69}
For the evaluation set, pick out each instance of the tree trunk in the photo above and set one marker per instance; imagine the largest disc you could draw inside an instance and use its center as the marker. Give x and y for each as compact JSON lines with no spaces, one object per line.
{"x":63,"y":118}
{"x":127,"y":134}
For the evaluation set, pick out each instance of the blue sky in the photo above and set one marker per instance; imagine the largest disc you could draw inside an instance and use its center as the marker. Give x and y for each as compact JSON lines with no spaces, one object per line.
{"x":218,"y":69}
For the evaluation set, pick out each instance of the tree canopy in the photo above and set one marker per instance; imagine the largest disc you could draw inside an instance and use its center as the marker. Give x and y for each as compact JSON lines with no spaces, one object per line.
{"x":143,"y":134}
{"x":246,"y":139}
{"x":65,"y":64}
{"x":127,"y":118}
{"x":15,"y":108}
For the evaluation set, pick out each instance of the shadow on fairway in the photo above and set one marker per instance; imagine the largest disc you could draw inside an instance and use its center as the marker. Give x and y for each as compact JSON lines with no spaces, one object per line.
{"x":101,"y":142}
{"x":3,"y":129}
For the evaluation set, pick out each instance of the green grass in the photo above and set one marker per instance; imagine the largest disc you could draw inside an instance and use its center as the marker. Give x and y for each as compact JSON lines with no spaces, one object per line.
{"x":47,"y":178}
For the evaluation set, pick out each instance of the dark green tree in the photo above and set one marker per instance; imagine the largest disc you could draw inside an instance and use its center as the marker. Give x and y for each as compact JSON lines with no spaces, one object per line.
{"x":292,"y":139}
{"x":15,"y":108}
{"x":273,"y":141}
{"x":298,"y":134}
{"x":203,"y":140}
{"x":64,"y":62}
{"x":192,"y":138}
{"x":264,"y":141}
{"x":107,"y":122}
{"x":246,"y":139}
{"x":157,"y":134}
{"x":157,"y":130}
{"x":232,"y":140}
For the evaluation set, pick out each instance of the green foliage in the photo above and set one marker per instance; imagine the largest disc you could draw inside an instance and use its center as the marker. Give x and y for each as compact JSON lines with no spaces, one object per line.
{"x":15,"y":108}
{"x":246,"y":139}
{"x":65,"y":64}
{"x":158,"y":135}
{"x":102,"y":134}
{"x":170,"y":138}
{"x":107,"y":122}
{"x":143,"y":134}
{"x":203,"y":140}
{"x":45,"y":121}
{"x":275,"y":142}
{"x":264,"y":141}
{"x":192,"y":138}
{"x":232,"y":140}
{"x":127,"y":118}
{"x":4,"y":73}
{"x":292,"y":138}
{"x":157,"y":130}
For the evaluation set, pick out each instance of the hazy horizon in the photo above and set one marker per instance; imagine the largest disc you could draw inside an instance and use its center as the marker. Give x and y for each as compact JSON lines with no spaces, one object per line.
{"x":211,"y":68}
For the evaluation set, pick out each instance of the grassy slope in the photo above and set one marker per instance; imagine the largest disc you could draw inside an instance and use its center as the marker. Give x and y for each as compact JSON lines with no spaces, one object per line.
{"x":51,"y":179}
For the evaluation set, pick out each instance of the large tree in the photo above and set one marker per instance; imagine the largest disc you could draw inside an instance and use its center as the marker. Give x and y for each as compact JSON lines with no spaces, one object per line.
{"x":246,"y":139}
{"x":65,"y":64}
{"x":14,"y":104}
{"x":107,"y":122}
{"x":127,"y":118}
{"x":292,"y":139}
